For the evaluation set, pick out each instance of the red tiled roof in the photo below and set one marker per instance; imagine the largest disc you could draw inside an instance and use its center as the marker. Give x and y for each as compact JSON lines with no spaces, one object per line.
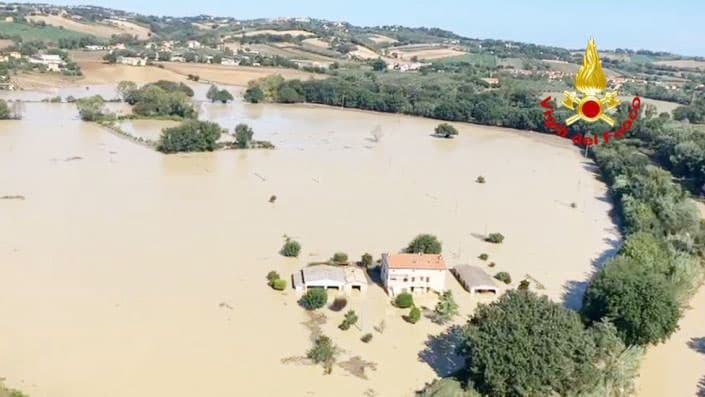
{"x":415,"y":261}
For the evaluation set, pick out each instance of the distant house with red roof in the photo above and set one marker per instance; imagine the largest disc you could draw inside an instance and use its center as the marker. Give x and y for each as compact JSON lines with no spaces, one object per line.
{"x":413,"y":273}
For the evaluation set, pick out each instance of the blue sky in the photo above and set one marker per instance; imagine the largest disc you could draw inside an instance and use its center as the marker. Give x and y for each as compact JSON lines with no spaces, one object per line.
{"x":677,"y":26}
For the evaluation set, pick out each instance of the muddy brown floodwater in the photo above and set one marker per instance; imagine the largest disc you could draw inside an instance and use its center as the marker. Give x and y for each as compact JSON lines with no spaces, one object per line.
{"x":129,"y":273}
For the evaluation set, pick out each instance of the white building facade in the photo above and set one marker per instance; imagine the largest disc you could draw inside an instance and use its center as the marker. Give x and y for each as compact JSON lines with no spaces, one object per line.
{"x":413,"y":273}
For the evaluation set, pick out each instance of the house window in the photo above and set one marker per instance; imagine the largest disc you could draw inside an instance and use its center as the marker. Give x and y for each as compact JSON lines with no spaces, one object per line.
{"x":406,"y":280}
{"x":393,"y":278}
{"x":428,"y":279}
{"x":413,"y":279}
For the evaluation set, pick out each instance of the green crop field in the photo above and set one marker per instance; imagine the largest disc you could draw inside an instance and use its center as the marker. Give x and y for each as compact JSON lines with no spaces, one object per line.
{"x":475,"y":59}
{"x":36,"y":32}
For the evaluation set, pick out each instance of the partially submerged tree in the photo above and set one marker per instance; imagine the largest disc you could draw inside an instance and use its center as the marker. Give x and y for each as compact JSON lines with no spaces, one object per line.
{"x":291,"y":248}
{"x":314,"y":298}
{"x":190,"y":136}
{"x":217,"y":95}
{"x":446,"y":130}
{"x":91,"y":108}
{"x":243,"y":135}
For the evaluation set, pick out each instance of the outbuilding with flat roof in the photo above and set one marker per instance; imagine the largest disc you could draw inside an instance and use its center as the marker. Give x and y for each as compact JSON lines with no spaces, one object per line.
{"x":474,"y":279}
{"x":342,"y":278}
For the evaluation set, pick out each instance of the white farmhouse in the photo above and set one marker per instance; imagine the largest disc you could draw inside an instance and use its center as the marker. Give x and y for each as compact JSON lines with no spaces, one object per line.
{"x":54,"y":63}
{"x":413,"y":273}
{"x":193,"y":44}
{"x":132,"y":61}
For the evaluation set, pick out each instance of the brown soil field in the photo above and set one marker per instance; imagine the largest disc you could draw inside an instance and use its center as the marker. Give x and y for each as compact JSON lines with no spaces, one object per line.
{"x":279,"y":32}
{"x":567,"y":67}
{"x":6,"y":43}
{"x":234,"y":75}
{"x":100,"y":30}
{"x":435,"y":53}
{"x":364,"y":53}
{"x":379,"y":39}
{"x":683,"y":64}
{"x":317,"y":42}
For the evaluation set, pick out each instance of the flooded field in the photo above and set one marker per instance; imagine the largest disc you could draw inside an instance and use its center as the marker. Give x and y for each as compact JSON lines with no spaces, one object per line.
{"x":129,"y":273}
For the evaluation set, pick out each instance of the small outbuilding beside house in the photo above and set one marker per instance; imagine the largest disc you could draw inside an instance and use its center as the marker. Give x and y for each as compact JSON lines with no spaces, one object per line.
{"x":474,"y":279}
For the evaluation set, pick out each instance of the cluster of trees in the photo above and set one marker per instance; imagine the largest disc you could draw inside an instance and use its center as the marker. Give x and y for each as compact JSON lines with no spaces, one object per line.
{"x":642,"y":288}
{"x":694,"y":112}
{"x":190,"y":136}
{"x":71,"y":43}
{"x":8,"y":112}
{"x":526,"y":345}
{"x":163,"y":98}
{"x":654,"y":91}
{"x":451,"y":96}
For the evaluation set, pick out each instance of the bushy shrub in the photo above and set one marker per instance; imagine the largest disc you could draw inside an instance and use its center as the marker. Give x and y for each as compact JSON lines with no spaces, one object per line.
{"x":483,"y":257}
{"x":503,"y":277}
{"x":495,"y":238}
{"x":314,"y":298}
{"x":190,"y":136}
{"x":446,"y":308}
{"x":279,"y":284}
{"x":480,"y":179}
{"x":492,"y":264}
{"x":424,"y":244}
{"x":404,"y":300}
{"x":366,"y":338}
{"x":291,"y":248}
{"x":340,"y":258}
{"x":91,"y":108}
{"x":216,"y":95}
{"x":338,"y":304}
{"x":414,"y":315}
{"x":367,"y":260}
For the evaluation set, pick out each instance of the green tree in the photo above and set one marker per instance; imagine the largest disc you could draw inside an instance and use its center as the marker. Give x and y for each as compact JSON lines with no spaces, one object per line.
{"x":367,"y":260}
{"x":404,"y":300}
{"x":378,"y":65}
{"x":91,"y":108}
{"x":526,"y":345}
{"x":323,"y":352}
{"x":190,"y":136}
{"x":243,"y":135}
{"x":446,"y":308}
{"x":446,"y":387}
{"x":495,"y":238}
{"x":639,"y":302}
{"x":446,"y":130}
{"x":5,"y":113}
{"x":314,"y":298}
{"x":425,"y":244}
{"x":254,"y":95}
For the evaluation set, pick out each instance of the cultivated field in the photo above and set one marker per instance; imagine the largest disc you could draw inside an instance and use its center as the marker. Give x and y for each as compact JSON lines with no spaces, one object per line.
{"x":425,"y":52}
{"x":107,"y":29}
{"x":234,"y":75}
{"x":278,"y":32}
{"x":6,"y":43}
{"x":317,"y":42}
{"x":683,"y":64}
{"x":35,"y":32}
{"x":379,"y":39}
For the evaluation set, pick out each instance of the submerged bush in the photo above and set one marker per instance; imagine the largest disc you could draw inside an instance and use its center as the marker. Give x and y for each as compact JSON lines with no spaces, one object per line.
{"x":338,"y":304}
{"x":483,"y":257}
{"x":414,"y":315}
{"x":340,"y":258}
{"x":366,"y":338}
{"x":279,"y":284}
{"x":350,"y":320}
{"x":495,"y":238}
{"x":503,"y":277}
{"x":367,"y":260}
{"x":291,"y":248}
